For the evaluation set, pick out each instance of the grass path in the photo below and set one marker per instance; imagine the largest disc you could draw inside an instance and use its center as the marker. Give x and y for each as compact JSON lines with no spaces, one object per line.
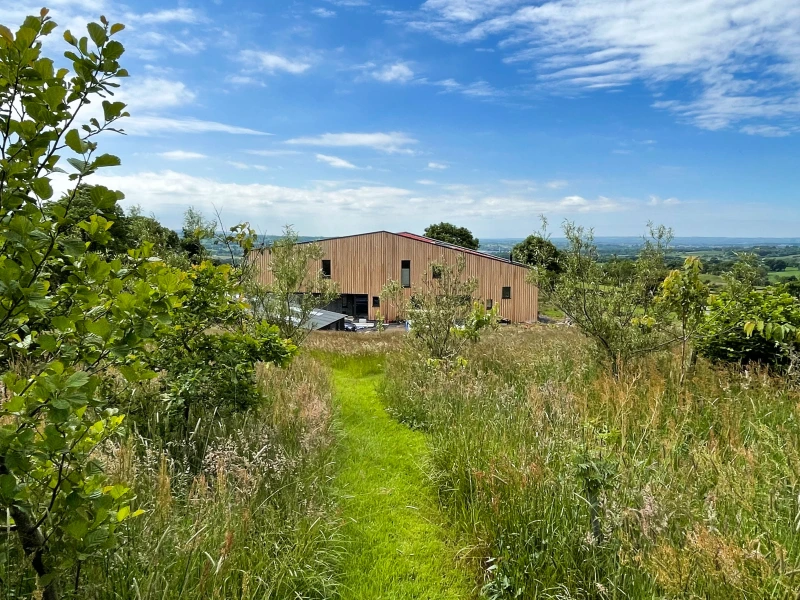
{"x":396,"y":544}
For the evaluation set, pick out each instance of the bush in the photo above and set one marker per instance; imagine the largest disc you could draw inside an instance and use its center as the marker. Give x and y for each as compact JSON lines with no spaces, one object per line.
{"x":746,"y":326}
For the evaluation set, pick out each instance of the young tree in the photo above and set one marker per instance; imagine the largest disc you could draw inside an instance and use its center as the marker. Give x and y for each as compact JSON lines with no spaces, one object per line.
{"x":614,"y":309}
{"x":458,"y":236}
{"x":685,"y":297}
{"x":538,"y":251}
{"x":443,"y":313}
{"x":57,"y":342}
{"x":296,"y":289}
{"x":393,"y":294}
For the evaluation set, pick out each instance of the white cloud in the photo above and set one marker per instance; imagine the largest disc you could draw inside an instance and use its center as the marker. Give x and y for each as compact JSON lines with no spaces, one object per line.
{"x":335,"y":161}
{"x":396,"y":73}
{"x":181,"y":155}
{"x":426,"y":182}
{"x":268,"y":62}
{"x":334,"y":205}
{"x":273,"y":152}
{"x":154,"y":125}
{"x":437,"y":166}
{"x":556,"y":184}
{"x":175,"y":15}
{"x":324,"y":13}
{"x":765,"y":130}
{"x":739,"y":59}
{"x":656,"y":201}
{"x":393,"y":142}
{"x":476,"y":89}
{"x":153,"y":93}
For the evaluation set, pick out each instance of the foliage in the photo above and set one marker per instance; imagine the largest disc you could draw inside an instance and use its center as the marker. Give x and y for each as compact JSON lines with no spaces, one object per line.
{"x":58,"y":342}
{"x":685,"y":297}
{"x":296,"y":290}
{"x":458,"y":236}
{"x":140,"y":229}
{"x":442,"y":314}
{"x":538,"y":251}
{"x":393,"y":294}
{"x":615,"y":308}
{"x":752,"y":325}
{"x":257,"y":519}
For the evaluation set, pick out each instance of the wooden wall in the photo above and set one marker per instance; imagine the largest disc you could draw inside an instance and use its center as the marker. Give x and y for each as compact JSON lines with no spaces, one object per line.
{"x":362,"y":264}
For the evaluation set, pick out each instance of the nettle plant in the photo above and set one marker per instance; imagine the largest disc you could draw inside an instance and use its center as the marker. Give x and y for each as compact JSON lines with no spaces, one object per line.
{"x":69,"y":316}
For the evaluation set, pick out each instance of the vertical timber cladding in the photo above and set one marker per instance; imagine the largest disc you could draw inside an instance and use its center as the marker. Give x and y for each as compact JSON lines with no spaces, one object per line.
{"x":362,"y":264}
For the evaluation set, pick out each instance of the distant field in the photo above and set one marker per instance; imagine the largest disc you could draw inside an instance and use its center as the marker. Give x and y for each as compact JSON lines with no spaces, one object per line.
{"x":791,"y":271}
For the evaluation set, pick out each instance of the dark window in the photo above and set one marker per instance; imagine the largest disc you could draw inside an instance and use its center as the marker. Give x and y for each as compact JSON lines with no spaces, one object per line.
{"x":507,"y":293}
{"x":405,"y":273}
{"x":489,"y":304}
{"x":376,"y":302}
{"x":436,"y":271}
{"x":326,"y":269}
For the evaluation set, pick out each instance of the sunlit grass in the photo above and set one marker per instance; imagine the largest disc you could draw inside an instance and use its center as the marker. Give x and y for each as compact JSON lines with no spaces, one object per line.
{"x":397,"y":546}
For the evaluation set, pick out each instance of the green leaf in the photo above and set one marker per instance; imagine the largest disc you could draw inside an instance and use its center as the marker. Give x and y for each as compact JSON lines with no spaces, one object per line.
{"x":122,"y":513}
{"x":97,"y":33}
{"x":42,"y":188}
{"x":81,"y":165}
{"x":106,"y":160}
{"x":77,"y":379}
{"x":113,"y":50}
{"x":116,"y":28}
{"x":6,"y":33}
{"x":74,"y":142}
{"x":8,"y":484}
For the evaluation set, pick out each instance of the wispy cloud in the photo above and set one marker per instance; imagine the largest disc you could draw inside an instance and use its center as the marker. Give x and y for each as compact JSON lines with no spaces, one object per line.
{"x":163,"y":125}
{"x":175,"y":15}
{"x":324,"y":13}
{"x":271,"y":63}
{"x":556,"y":184}
{"x":181,"y":155}
{"x":714,"y":47}
{"x":335,"y":161}
{"x":392,"y":142}
{"x":273,"y":152}
{"x":437,"y":166}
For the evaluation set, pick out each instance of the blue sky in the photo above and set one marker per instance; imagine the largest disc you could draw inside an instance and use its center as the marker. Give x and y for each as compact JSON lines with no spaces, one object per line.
{"x":340,"y":116}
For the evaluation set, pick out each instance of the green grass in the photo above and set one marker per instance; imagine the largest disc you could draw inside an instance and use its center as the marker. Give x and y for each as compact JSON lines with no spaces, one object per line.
{"x":396,"y":546}
{"x":776,"y":275}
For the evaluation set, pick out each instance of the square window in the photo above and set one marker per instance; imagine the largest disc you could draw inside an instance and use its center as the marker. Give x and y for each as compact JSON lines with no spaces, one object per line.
{"x":326,"y":269}
{"x":436,"y":271}
{"x":507,"y":293}
{"x":489,"y":304}
{"x":376,"y":302}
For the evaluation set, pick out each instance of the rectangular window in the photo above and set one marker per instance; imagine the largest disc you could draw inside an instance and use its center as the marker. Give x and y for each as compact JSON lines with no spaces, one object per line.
{"x":489,"y":304}
{"x":405,"y":273}
{"x":506,"y":293}
{"x":376,"y":302}
{"x":326,"y":269}
{"x":436,"y":271}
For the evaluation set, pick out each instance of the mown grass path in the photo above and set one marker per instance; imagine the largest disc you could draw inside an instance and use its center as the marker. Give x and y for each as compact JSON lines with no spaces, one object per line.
{"x":396,"y":547}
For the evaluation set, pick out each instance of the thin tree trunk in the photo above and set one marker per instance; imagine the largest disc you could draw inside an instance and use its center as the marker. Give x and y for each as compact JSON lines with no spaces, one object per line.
{"x":33,"y":543}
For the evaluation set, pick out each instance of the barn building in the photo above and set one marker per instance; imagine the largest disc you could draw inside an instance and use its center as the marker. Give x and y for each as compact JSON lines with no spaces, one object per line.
{"x":362,"y":264}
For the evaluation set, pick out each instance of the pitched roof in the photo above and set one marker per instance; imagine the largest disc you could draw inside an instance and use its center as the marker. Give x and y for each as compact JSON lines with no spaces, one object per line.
{"x":426,"y":240}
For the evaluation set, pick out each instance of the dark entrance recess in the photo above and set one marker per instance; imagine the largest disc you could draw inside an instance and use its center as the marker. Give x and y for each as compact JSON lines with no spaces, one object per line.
{"x":356,"y":305}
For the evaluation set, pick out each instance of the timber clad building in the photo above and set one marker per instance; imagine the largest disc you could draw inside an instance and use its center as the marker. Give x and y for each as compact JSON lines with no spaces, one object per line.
{"x":362,"y":264}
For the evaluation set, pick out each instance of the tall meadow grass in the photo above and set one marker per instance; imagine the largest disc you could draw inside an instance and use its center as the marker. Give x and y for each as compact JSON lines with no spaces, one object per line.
{"x":255,"y":520}
{"x":569,"y":483}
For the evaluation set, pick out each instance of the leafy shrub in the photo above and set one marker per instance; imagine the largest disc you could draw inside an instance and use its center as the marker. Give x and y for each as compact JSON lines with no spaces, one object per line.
{"x":752,"y":325}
